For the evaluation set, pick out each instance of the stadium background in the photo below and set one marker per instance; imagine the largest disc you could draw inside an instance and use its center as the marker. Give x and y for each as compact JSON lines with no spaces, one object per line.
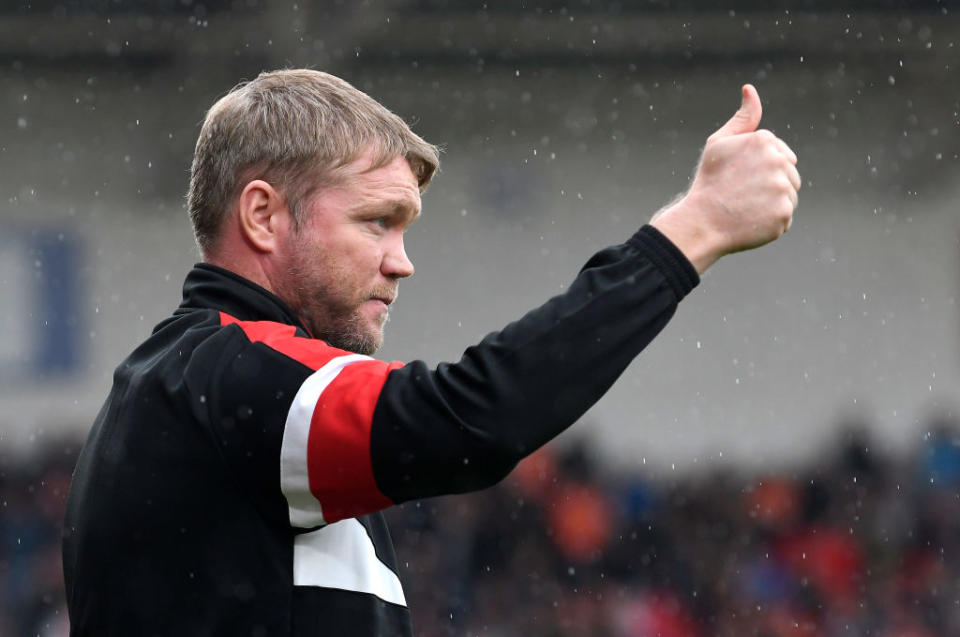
{"x":806,"y":391}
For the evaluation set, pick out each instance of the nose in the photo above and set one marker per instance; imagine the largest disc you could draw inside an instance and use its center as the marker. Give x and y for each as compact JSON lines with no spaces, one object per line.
{"x":395,"y":262}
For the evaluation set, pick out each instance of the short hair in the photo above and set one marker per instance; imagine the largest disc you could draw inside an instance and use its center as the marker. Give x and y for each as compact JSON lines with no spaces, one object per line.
{"x":292,"y":128}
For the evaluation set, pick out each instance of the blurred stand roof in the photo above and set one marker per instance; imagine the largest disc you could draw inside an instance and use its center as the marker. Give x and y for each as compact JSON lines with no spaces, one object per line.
{"x":153,"y":33}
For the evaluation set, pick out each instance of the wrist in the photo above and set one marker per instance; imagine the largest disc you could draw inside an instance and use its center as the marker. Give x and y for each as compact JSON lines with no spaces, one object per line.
{"x":679,"y":224}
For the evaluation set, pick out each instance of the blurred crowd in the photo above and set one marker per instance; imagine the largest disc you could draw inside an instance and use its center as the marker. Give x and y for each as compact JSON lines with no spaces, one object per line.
{"x":858,"y":543}
{"x":33,"y":496}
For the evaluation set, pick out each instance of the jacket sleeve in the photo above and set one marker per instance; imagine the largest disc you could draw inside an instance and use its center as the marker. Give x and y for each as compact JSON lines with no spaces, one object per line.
{"x":349,"y":435}
{"x":465,"y":425}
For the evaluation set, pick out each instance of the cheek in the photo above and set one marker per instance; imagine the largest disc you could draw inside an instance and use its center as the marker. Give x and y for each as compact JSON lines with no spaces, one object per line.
{"x":348,"y":265}
{"x":363,"y":259}
{"x":342,"y":276}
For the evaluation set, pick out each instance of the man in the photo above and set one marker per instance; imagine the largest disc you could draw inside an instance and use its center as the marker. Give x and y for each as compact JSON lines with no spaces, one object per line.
{"x":233,"y":480}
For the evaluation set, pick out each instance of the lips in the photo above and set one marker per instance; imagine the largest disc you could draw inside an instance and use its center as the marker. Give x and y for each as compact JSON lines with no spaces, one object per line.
{"x":382,"y":303}
{"x":384,"y":296}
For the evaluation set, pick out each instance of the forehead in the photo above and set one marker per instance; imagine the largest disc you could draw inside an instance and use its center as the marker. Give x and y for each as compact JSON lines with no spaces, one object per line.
{"x":359,"y":189}
{"x":394,"y":180}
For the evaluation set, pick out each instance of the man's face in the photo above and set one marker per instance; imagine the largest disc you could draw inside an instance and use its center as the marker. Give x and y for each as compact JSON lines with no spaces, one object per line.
{"x":345,"y":261}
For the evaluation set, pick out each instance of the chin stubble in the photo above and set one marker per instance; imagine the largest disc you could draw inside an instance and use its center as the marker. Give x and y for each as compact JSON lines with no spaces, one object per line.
{"x":348,"y":334}
{"x":343,"y":332}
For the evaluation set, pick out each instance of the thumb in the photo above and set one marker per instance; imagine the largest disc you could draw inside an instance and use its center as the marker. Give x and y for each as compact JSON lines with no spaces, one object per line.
{"x":747,"y":118}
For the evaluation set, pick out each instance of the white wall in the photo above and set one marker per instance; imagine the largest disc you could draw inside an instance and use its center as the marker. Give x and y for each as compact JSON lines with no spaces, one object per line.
{"x":853,"y":313}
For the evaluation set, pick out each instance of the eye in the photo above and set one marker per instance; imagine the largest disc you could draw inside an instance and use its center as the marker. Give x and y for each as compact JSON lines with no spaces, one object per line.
{"x":380,"y":223}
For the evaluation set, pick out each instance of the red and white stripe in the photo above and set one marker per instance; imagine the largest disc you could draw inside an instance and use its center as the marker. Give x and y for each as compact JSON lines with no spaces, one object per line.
{"x":326,"y":473}
{"x":306,"y":510}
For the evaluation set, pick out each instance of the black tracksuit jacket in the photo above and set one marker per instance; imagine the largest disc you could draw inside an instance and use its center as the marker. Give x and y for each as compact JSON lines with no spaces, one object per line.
{"x":232,"y":483}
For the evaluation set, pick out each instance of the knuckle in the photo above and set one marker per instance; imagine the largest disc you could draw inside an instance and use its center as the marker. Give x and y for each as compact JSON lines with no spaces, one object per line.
{"x":786,"y":212}
{"x":766,"y":148}
{"x":778,"y":185}
{"x":775,"y":155}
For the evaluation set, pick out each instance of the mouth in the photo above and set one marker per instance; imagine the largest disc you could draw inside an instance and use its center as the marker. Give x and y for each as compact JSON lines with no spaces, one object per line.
{"x":379,"y":302}
{"x":382,"y":305}
{"x":387,"y":297}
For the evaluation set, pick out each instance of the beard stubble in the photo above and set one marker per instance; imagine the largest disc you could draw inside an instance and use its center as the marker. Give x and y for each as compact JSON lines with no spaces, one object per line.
{"x":329,"y":305}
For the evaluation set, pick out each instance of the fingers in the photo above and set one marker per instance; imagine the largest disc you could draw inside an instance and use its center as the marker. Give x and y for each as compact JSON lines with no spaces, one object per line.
{"x":786,"y":150}
{"x":788,"y":169}
{"x":747,"y":117}
{"x":779,"y":146}
{"x":792,"y":195}
{"x":794,"y":177}
{"x":794,"y":199}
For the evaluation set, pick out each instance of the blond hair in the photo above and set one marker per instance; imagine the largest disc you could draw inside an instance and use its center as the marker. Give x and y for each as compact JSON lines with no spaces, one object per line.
{"x":293,"y":129}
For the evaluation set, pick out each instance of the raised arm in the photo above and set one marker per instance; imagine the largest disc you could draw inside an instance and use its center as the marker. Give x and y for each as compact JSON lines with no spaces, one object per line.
{"x":360,"y":434}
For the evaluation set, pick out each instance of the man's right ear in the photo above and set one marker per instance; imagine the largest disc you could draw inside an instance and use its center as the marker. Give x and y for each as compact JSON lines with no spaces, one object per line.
{"x":263,"y":216}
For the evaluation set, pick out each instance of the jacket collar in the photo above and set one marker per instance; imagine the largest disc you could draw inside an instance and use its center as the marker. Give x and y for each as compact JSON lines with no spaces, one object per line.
{"x":211,"y":287}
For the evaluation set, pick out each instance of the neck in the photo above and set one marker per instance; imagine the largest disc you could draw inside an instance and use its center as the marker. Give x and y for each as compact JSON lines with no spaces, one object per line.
{"x":246,"y":266}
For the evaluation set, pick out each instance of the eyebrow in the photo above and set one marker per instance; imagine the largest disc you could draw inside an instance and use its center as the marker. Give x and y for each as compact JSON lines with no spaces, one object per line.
{"x":392,"y":207}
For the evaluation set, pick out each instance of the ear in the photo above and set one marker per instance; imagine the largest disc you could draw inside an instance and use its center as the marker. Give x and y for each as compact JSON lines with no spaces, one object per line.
{"x":263,"y":216}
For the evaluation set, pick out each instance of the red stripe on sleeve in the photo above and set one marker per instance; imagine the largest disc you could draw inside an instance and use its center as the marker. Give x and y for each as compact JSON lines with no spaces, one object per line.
{"x":312,"y":352}
{"x":338,"y":444}
{"x":338,"y":448}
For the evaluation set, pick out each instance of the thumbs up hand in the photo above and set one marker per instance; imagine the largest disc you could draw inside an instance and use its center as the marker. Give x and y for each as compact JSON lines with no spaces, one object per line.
{"x":743,"y":194}
{"x":747,"y":117}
